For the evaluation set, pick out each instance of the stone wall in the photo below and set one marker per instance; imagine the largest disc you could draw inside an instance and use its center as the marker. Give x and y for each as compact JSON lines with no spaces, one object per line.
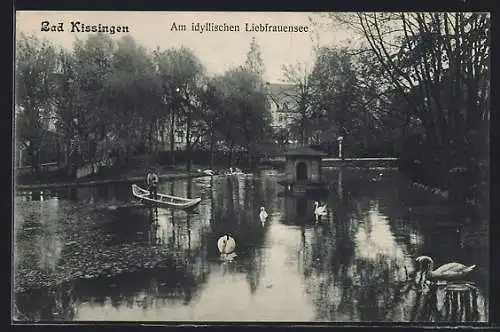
{"x":347,"y":162}
{"x":315,"y":173}
{"x":94,"y":168}
{"x":361,"y":162}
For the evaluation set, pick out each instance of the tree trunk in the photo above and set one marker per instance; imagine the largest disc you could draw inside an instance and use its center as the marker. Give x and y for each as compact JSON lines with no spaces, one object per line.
{"x":150,"y":138}
{"x":162,"y":134}
{"x":72,"y":166}
{"x":127,"y":155}
{"x":231,"y":154}
{"x":188,"y":144}
{"x":172,"y":137}
{"x":250,"y":152}
{"x":303,"y":132}
{"x":35,"y":161}
{"x":212,"y":144}
{"x":64,"y":155}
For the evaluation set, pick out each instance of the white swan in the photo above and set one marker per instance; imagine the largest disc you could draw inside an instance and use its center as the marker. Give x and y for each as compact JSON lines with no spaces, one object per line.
{"x":234,"y":171}
{"x":226,"y":245}
{"x":263,"y":215}
{"x":319,"y":211}
{"x":208,"y":172}
{"x":446,"y":272}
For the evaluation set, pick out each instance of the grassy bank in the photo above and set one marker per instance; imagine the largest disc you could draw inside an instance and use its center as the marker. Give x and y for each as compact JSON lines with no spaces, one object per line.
{"x":105,"y":176}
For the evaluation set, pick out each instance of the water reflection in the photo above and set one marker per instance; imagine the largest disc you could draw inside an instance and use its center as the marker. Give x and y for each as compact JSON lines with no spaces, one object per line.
{"x":350,"y":267}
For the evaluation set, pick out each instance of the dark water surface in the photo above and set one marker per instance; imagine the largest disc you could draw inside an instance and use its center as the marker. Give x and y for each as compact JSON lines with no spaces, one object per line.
{"x":348,"y":268}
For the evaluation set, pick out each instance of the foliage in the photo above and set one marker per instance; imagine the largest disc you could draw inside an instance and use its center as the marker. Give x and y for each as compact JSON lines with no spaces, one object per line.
{"x":135,"y":95}
{"x":244,"y":105}
{"x":433,"y":75}
{"x":254,"y":62}
{"x":112,"y":98}
{"x":35,"y":87}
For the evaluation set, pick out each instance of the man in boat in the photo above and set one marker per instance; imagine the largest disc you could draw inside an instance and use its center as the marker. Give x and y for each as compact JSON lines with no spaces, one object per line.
{"x":152,"y":181}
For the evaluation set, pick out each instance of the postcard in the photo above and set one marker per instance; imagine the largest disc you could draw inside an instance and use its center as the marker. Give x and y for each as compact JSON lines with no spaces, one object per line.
{"x":251,"y":167}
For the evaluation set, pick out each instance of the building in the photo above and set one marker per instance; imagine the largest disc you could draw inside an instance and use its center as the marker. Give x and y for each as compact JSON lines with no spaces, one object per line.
{"x":179,"y":135}
{"x":51,"y":146}
{"x":303,"y":170}
{"x":282,"y":104}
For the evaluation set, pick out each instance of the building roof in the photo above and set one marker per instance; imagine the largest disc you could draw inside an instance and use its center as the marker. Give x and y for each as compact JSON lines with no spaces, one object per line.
{"x":278,"y":88}
{"x":282,"y":92}
{"x":304,"y":151}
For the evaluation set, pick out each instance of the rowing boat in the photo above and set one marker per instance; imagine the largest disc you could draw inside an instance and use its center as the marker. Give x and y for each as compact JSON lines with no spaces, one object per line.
{"x":165,"y":200}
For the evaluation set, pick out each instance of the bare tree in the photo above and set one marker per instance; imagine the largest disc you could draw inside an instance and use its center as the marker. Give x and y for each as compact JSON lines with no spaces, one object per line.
{"x":302,"y":95}
{"x":442,"y":56}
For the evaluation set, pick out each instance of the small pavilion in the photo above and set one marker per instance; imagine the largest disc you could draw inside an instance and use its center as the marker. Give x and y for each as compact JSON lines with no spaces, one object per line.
{"x":303,"y":170}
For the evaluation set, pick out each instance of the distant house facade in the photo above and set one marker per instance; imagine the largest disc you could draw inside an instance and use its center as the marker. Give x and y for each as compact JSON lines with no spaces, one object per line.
{"x":179,"y":131}
{"x":282,"y":104}
{"x":50,"y":149}
{"x":179,"y":137}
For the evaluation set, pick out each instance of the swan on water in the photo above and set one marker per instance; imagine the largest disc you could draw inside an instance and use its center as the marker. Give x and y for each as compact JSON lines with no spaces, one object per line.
{"x":226,"y":245}
{"x":448,"y":271}
{"x":319,"y":211}
{"x":263,"y":215}
{"x":234,"y":171}
{"x":208,"y":172}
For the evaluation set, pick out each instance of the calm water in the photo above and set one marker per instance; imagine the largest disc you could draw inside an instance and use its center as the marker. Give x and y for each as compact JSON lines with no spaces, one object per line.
{"x":348,"y":268}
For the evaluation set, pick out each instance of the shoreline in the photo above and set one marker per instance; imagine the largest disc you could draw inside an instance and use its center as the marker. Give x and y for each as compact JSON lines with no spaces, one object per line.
{"x":90,"y":182}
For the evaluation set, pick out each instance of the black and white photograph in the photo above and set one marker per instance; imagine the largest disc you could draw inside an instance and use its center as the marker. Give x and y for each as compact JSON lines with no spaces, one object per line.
{"x":202,"y":167}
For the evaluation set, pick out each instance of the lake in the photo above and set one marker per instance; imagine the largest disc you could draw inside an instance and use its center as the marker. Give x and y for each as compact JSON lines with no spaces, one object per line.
{"x":351,"y":266}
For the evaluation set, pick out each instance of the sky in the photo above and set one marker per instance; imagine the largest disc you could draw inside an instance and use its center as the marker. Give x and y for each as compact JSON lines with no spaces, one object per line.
{"x":219,"y":51}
